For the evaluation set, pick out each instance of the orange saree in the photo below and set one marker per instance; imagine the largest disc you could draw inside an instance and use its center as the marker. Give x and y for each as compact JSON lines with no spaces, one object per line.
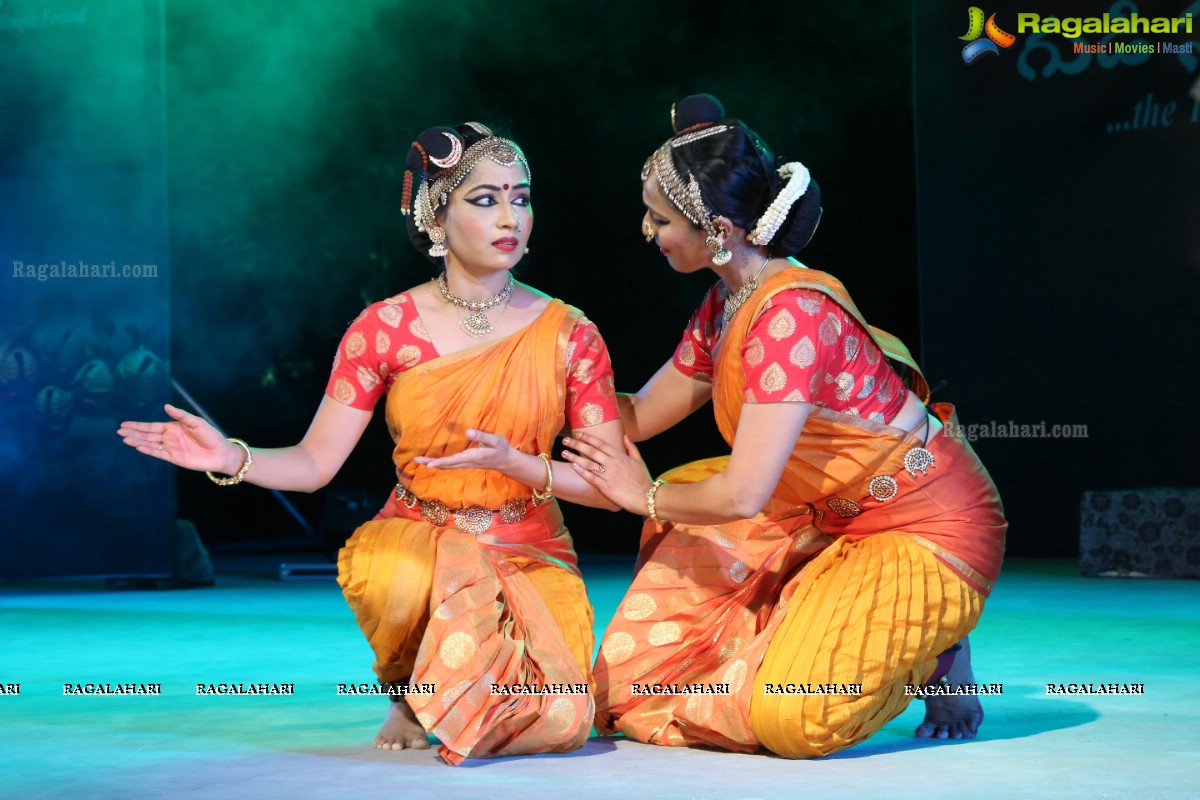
{"x":799,"y":629}
{"x":504,"y":606}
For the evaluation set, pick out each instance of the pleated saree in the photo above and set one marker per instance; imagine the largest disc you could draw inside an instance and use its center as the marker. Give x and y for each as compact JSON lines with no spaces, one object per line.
{"x":465,"y":611}
{"x":829,"y":589}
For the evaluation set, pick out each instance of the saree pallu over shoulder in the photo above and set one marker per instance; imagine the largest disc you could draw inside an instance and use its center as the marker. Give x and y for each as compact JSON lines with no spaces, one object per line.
{"x":838,"y":456}
{"x":729,"y":361}
{"x":499,"y":623}
{"x":514,"y":387}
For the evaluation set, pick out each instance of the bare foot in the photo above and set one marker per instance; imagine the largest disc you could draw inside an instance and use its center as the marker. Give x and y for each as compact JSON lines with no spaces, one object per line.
{"x":953,"y":716}
{"x":401,"y":730}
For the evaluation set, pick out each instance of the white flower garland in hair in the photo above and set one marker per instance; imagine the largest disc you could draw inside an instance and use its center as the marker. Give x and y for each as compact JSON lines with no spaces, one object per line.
{"x":768,"y":224}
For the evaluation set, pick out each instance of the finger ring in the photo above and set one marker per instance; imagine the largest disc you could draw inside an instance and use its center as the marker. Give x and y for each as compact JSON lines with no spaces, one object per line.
{"x":600,"y":469}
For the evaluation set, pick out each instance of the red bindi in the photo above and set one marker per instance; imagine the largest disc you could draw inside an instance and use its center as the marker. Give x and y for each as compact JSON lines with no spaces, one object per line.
{"x":506,"y":187}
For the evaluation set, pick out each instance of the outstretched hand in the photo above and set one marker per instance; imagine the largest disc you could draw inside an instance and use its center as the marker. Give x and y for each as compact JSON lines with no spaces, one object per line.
{"x":620,"y":475}
{"x":186,"y":441}
{"x":490,"y":451}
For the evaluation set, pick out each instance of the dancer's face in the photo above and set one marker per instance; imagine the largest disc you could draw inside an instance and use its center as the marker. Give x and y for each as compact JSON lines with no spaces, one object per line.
{"x":488,"y":218}
{"x":679,"y":240}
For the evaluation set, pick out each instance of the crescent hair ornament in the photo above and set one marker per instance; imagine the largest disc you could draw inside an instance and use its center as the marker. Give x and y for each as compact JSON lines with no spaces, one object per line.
{"x":456,"y":151}
{"x":435,"y":186}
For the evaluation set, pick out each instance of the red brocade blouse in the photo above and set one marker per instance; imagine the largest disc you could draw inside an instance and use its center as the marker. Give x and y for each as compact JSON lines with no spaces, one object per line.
{"x":803,"y":348}
{"x":389,"y":337}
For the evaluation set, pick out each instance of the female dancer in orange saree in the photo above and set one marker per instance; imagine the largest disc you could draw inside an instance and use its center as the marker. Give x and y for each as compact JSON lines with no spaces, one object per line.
{"x":465,"y":584}
{"x":796,"y":594}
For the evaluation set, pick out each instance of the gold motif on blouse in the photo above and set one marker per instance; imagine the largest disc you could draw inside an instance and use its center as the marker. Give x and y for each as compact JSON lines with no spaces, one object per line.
{"x":367,"y":379}
{"x":804,"y":353}
{"x":687,"y":354}
{"x":809,"y":303}
{"x":782,"y":325}
{"x":390,"y":315}
{"x":845,"y":385}
{"x":417,"y":329}
{"x":343,"y":392}
{"x":773,"y":379}
{"x":830,"y":330}
{"x":871,"y":353}
{"x":408,"y":356}
{"x":591,"y":414}
{"x":585,"y":370}
{"x":754,"y":352}
{"x":852,"y":344}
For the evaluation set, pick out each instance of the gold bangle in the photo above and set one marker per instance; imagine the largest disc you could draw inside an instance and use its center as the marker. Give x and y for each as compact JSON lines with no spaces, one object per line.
{"x":548,"y":494}
{"x":653,"y":490}
{"x":241,"y":473}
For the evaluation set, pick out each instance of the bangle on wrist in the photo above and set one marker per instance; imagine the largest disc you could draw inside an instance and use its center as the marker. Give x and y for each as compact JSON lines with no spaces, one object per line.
{"x":650,"y":493}
{"x":241,"y":473}
{"x":548,"y":494}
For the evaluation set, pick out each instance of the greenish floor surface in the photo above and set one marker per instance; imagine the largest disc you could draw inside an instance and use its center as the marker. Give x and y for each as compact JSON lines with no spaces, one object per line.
{"x":1043,"y":625}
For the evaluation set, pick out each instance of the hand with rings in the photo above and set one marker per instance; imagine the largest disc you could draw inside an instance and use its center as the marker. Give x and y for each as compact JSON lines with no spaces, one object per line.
{"x":620,"y":475}
{"x":186,"y":441}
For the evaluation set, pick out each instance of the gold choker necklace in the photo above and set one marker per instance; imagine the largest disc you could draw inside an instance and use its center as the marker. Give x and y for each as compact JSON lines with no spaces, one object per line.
{"x":476,"y":324}
{"x":734,"y":301}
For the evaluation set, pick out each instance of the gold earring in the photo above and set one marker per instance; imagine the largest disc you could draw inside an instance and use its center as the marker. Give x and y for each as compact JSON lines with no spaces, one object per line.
{"x":438,"y":236}
{"x":720,"y":256}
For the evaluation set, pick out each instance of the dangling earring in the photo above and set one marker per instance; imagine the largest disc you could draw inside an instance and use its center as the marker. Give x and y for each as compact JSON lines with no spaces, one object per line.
{"x":720,"y":256}
{"x":438,"y":236}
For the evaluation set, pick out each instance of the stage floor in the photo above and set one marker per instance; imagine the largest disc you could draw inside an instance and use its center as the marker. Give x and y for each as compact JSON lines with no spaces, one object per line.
{"x":1043,"y":625}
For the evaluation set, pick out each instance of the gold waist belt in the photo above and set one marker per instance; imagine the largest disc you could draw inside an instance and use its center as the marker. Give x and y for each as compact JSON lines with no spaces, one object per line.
{"x":472,"y":519}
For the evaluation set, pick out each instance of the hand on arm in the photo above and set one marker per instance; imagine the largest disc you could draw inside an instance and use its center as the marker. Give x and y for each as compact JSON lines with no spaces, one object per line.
{"x":188,"y":441}
{"x":764,"y":441}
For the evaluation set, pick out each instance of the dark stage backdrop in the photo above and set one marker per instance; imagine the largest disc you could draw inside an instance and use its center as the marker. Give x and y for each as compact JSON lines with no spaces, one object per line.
{"x":288,"y":124}
{"x":1060,"y":255}
{"x":83,"y":299}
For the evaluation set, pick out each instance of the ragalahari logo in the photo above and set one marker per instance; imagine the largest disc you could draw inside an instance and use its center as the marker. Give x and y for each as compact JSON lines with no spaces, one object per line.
{"x":996,"y":38}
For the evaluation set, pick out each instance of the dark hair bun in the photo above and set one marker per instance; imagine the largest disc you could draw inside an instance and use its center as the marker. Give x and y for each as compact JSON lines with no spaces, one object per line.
{"x":437,"y":143}
{"x":697,"y":109}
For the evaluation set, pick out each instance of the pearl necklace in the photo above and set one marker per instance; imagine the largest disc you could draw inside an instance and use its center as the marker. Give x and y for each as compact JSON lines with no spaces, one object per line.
{"x":476,"y":324}
{"x":734,"y":301}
